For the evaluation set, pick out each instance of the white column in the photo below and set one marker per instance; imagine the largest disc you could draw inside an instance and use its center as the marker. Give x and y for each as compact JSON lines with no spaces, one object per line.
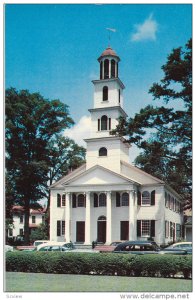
{"x":109,"y":68}
{"x":52,"y":224}
{"x":132,"y":216}
{"x":68,"y":218}
{"x":88,"y":220}
{"x":109,"y":218}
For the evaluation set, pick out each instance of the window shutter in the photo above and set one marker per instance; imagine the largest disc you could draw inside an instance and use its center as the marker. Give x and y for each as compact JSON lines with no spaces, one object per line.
{"x":74,"y":200}
{"x":153,"y":197}
{"x":95,"y":200}
{"x":98,"y":124}
{"x":138,"y":228}
{"x":58,"y":200}
{"x":117,"y":199}
{"x":85,"y":200}
{"x":109,"y":123}
{"x":152,"y":228}
{"x":138,"y":198}
{"x":58,"y":228}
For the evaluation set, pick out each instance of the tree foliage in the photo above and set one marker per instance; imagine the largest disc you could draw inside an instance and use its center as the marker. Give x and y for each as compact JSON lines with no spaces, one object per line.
{"x":32,"y":124}
{"x":167,"y":153}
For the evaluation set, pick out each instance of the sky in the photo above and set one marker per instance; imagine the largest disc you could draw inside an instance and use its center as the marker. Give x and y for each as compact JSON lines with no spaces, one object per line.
{"x":53,"y":49}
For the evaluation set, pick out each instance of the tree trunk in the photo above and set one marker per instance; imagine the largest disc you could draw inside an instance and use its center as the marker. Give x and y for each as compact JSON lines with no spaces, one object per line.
{"x":26,"y":224}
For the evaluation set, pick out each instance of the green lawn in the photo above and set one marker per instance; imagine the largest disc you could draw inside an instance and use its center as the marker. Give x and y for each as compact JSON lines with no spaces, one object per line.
{"x":38,"y":282}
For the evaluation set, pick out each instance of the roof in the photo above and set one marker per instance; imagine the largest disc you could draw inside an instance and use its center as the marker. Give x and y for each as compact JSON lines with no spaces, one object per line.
{"x":133,"y":168}
{"x":72,"y":174}
{"x":108,"y":52}
{"x":20,"y":209}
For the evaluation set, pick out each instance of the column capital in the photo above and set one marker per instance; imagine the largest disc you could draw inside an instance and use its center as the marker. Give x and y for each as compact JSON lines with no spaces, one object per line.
{"x":87,"y":193}
{"x":133,"y":192}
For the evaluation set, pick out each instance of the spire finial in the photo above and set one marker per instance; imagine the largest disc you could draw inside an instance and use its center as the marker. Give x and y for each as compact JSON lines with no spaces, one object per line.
{"x":109,"y":34}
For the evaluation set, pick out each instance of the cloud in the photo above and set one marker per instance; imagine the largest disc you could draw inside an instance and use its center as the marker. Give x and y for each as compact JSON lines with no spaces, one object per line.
{"x":80,"y":131}
{"x":145,"y":31}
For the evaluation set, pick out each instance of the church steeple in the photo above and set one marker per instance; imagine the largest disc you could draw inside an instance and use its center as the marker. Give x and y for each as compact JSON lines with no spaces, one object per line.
{"x":108,"y":64}
{"x":108,"y":88}
{"x":102,"y":148}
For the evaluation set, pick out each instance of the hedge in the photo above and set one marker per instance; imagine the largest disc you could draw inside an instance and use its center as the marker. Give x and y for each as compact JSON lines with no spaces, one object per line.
{"x":99,"y":264}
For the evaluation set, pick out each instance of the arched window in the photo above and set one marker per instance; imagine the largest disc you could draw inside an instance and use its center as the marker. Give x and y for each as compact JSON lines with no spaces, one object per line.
{"x":81,"y":200}
{"x":101,"y":66}
{"x":125,"y":199}
{"x":103,"y":151}
{"x":113,"y":68}
{"x":104,"y":121}
{"x":146,"y":199}
{"x":101,"y":218}
{"x":106,"y":68}
{"x":102,"y":199}
{"x":105,"y":93}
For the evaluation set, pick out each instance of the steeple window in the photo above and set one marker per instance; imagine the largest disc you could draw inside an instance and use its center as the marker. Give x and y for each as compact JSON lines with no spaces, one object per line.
{"x":103,"y":151}
{"x":105,"y":93}
{"x":113,"y":67}
{"x":104,"y":122}
{"x":106,"y":68}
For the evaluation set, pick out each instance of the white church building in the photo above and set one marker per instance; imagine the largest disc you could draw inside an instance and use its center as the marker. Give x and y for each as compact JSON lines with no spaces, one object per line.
{"x":107,"y":198}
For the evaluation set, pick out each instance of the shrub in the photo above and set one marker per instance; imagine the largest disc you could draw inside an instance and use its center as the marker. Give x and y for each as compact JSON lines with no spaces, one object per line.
{"x":100,"y":264}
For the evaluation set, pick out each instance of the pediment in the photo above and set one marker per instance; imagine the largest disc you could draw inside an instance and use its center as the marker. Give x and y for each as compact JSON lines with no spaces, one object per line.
{"x":98,"y":175}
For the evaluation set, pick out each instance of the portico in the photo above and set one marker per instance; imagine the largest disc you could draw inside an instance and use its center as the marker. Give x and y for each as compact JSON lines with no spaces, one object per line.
{"x":98,"y":212}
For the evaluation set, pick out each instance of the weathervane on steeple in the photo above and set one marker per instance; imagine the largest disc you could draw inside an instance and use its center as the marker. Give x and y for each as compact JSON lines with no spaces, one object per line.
{"x":109,"y":32}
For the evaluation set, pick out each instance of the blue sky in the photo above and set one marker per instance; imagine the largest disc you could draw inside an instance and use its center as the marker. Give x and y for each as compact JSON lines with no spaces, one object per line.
{"x":53,"y":49}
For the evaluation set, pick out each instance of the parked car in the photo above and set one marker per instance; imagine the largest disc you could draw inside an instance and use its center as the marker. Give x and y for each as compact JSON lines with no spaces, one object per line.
{"x":25,"y":248}
{"x":55,"y":246}
{"x":144,"y":247}
{"x":8,"y":248}
{"x":39,"y":242}
{"x":63,"y":247}
{"x":181,"y":246}
{"x":107,"y":248}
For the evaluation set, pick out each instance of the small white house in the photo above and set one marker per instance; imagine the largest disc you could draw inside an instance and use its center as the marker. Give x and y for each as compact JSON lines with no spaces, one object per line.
{"x":107,"y":198}
{"x":37,"y":217}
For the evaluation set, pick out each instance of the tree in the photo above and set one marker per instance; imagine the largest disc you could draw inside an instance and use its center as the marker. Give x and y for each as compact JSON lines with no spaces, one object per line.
{"x":31,"y":123}
{"x":167,"y":153}
{"x":39,"y":233}
{"x":64,"y":156}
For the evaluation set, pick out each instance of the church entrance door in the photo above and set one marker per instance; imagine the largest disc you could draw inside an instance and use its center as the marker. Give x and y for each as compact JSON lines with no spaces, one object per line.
{"x":80,"y":231}
{"x":101,"y":229}
{"x":124,"y":230}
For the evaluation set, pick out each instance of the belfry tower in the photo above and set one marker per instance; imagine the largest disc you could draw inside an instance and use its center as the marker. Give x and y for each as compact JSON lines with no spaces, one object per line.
{"x":102,"y":148}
